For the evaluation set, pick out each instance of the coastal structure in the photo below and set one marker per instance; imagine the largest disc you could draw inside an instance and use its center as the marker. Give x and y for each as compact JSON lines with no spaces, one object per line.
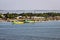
{"x":38,"y":18}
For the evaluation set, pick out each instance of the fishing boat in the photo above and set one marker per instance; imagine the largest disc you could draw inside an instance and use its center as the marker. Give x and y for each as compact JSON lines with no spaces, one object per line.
{"x":18,"y":22}
{"x":22,"y":22}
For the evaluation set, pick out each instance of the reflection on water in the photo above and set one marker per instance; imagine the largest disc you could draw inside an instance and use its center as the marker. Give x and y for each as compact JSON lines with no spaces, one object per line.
{"x":30,"y":31}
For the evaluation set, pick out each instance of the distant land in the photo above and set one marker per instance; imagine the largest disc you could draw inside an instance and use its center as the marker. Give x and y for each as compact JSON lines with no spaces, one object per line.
{"x":28,"y":11}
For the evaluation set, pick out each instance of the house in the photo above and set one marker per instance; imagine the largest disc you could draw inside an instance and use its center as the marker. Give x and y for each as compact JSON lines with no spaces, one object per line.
{"x":18,"y":17}
{"x":38,"y":18}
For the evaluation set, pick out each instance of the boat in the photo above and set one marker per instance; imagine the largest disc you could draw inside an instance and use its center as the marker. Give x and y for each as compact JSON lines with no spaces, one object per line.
{"x":22,"y":22}
{"x":18,"y":22}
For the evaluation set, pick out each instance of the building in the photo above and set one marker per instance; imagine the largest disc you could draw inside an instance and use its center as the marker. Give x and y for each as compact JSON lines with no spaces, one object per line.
{"x":38,"y":18}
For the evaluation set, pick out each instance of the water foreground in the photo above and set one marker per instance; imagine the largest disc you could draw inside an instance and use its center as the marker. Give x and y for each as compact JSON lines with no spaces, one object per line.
{"x":30,"y":31}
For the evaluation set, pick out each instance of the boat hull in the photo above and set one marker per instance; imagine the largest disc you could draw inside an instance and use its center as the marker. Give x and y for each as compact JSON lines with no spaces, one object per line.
{"x":18,"y":22}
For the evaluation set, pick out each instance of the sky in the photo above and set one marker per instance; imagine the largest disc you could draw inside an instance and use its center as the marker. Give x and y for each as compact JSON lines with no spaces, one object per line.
{"x":29,"y":4}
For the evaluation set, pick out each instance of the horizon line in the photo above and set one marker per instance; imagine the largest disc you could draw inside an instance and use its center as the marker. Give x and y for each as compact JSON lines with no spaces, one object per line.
{"x":21,"y":9}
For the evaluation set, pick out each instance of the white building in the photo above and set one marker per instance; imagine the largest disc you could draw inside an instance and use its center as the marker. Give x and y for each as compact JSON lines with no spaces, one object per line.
{"x":38,"y":18}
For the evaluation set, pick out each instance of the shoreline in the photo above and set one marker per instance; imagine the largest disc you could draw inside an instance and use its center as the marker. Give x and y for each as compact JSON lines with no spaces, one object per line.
{"x":35,"y":21}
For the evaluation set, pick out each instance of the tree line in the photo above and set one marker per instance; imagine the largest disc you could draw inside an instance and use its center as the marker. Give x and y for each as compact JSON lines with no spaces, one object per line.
{"x":13,"y":15}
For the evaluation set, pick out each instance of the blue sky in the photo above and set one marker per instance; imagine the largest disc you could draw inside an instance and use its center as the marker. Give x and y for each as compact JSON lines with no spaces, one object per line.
{"x":29,"y":5}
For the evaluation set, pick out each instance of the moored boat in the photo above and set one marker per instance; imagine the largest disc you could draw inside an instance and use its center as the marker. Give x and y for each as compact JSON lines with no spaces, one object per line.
{"x":18,"y":22}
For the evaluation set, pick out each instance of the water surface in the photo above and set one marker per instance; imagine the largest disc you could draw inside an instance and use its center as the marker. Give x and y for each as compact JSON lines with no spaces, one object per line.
{"x":30,"y":31}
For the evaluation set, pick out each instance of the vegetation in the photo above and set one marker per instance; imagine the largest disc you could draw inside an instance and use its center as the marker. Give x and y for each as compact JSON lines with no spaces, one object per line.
{"x":13,"y":15}
{"x":10,"y":15}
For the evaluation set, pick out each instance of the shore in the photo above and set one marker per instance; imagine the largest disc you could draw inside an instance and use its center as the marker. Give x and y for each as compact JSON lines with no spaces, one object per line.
{"x":10,"y":20}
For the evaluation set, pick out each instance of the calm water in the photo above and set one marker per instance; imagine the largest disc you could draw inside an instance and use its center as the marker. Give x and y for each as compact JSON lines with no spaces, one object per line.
{"x":30,"y":31}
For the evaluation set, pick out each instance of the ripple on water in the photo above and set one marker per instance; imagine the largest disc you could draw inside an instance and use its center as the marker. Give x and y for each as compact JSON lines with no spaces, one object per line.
{"x":25,"y":37}
{"x":35,"y":29}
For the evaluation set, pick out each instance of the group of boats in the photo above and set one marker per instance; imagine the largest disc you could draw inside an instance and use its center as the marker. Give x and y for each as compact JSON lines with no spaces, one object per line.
{"x":22,"y":22}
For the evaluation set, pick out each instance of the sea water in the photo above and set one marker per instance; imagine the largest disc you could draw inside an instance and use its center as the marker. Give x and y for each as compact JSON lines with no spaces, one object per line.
{"x":49,"y":30}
